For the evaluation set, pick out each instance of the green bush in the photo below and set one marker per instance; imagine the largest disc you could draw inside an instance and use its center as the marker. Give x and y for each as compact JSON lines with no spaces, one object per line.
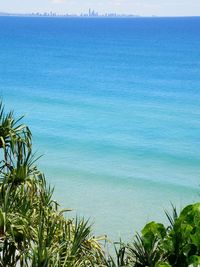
{"x":177,"y":245}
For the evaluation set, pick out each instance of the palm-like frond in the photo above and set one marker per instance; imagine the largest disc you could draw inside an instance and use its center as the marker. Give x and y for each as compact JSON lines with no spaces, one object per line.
{"x":172,"y":217}
{"x":11,"y":131}
{"x":120,"y":258}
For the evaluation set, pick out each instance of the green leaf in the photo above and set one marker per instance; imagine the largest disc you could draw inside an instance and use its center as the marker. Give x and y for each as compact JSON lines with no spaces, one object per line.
{"x":153,"y":229}
{"x":194,"y":261}
{"x":163,"y":264}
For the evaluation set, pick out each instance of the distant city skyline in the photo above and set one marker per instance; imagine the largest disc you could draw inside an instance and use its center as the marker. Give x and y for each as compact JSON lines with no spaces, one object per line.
{"x":137,"y":7}
{"x":91,"y":13}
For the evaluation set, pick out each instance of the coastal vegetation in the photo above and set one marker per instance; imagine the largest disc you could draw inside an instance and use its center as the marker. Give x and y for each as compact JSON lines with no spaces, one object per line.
{"x":36,"y":232}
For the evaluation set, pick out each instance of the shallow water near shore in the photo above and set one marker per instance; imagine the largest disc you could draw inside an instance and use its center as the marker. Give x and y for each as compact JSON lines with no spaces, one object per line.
{"x":114,"y":107}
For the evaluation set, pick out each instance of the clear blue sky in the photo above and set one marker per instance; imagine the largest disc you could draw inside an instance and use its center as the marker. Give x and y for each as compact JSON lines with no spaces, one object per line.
{"x":140,"y":7}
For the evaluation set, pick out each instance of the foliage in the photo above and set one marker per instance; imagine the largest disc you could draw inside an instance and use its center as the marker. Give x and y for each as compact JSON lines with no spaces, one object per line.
{"x":120,"y":259}
{"x":176,"y":245}
{"x":33,"y":231}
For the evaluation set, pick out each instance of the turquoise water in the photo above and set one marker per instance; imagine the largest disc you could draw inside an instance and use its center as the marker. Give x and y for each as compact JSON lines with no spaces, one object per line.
{"x":114,"y":106}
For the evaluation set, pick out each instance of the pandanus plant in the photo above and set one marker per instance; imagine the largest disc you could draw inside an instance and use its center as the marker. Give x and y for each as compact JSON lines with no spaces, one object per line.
{"x":12,"y":131}
{"x":33,"y":231}
{"x":15,"y":144}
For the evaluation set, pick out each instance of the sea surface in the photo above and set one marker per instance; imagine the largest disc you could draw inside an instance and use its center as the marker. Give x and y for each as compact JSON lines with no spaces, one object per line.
{"x":114,"y":107}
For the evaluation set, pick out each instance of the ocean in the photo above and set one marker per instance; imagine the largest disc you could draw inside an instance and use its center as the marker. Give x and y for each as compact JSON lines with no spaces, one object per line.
{"x":114,"y":108}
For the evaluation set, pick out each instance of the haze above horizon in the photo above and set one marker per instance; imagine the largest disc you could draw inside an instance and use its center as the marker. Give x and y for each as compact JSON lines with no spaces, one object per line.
{"x":137,"y":7}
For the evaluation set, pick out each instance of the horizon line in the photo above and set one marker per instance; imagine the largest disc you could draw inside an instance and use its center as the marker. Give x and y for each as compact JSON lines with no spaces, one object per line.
{"x":85,"y":15}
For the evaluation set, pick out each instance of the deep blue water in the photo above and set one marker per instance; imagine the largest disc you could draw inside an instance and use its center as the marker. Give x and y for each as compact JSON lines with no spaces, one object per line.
{"x":114,"y":106}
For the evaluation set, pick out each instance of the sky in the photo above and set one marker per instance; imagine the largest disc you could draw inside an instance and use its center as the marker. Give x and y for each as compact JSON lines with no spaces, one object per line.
{"x":138,"y":7}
